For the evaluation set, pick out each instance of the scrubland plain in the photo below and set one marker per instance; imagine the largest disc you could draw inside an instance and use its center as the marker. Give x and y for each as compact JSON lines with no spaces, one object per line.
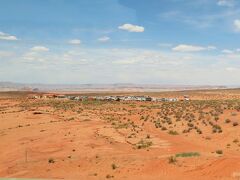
{"x":64,"y":139}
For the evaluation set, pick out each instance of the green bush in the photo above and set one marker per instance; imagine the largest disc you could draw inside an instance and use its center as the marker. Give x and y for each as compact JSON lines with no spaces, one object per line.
{"x":173,"y":132}
{"x":188,"y":154}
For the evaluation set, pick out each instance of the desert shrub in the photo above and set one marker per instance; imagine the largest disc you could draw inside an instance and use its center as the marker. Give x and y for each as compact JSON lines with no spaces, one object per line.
{"x":172,"y":160}
{"x":214,"y":130}
{"x":163,"y":128}
{"x":216,"y":118}
{"x":208,"y":138}
{"x":235,"y":123}
{"x":235,"y":141}
{"x":185,"y":131}
{"x":114,"y":166}
{"x":51,"y":160}
{"x":37,"y":113}
{"x":219,"y":151}
{"x":199,"y":131}
{"x":143,"y":144}
{"x":227,"y":121}
{"x":173,"y":132}
{"x":190,"y":124}
{"x":188,"y":154}
{"x":108,"y":176}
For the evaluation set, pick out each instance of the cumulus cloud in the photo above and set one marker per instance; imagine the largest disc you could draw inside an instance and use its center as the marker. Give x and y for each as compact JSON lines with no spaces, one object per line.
{"x":227,"y":51}
{"x":75,"y":41}
{"x":5,"y":36}
{"x":228,"y":3}
{"x":211,"y":47}
{"x":30,"y":56}
{"x":131,"y":28}
{"x":232,"y":52}
{"x":237,"y":24}
{"x":39,"y":49}
{"x":192,"y":48}
{"x":136,"y":65}
{"x":34,"y":54}
{"x":104,"y":39}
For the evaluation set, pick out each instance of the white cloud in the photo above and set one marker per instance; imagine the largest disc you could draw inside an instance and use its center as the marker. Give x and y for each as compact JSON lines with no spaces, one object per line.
{"x":227,"y":51}
{"x":5,"y":54}
{"x":39,"y":49}
{"x":237,"y":24}
{"x":74,"y":58}
{"x":131,"y":28}
{"x":124,"y":65}
{"x":211,"y":47}
{"x":228,"y":3}
{"x":232,"y":54}
{"x":30,"y":56}
{"x":4,"y":36}
{"x":104,"y":39}
{"x":143,"y":57}
{"x":35,"y":54}
{"x":75,"y":41}
{"x":231,"y":69}
{"x":192,"y":48}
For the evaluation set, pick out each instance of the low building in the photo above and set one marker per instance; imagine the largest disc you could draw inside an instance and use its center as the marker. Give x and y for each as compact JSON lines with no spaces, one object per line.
{"x":61,"y":96}
{"x":34,"y":96}
{"x":186,"y":97}
{"x":148,"y":98}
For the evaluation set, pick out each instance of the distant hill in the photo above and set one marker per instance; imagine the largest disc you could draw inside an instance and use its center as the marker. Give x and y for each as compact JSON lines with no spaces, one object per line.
{"x":11,"y":86}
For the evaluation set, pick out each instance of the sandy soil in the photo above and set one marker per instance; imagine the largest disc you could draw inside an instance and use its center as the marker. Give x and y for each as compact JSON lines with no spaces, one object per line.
{"x":63,"y":139}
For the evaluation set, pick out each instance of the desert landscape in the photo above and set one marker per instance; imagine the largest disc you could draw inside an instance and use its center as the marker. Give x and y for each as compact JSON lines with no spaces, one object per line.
{"x":119,"y":90}
{"x":93,"y":139}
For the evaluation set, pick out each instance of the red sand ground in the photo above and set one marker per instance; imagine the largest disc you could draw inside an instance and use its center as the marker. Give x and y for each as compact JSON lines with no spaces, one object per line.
{"x":99,"y":141}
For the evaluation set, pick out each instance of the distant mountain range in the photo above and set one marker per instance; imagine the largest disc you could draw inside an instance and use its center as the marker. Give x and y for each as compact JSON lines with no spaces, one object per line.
{"x":10,"y":86}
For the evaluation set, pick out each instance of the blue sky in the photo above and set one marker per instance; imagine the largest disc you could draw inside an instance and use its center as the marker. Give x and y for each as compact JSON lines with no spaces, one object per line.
{"x":120,"y":41}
